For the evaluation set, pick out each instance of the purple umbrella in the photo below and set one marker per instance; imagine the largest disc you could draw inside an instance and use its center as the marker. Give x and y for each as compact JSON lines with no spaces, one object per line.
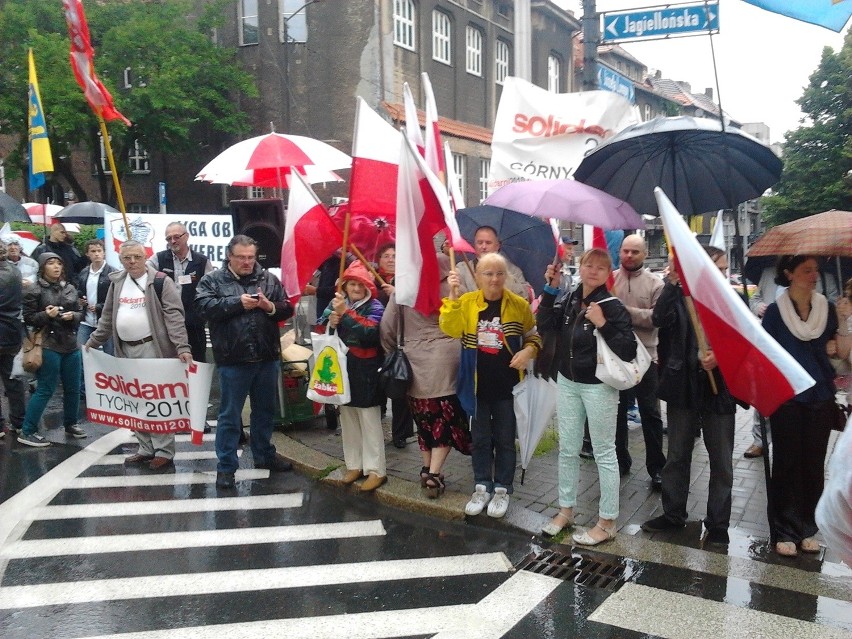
{"x":567,"y":200}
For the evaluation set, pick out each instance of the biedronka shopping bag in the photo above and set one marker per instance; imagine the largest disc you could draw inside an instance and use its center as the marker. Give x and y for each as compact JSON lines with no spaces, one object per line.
{"x":329,"y":383}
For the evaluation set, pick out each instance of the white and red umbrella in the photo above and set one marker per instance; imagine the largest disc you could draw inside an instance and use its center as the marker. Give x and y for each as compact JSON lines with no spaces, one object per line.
{"x":41,"y":213}
{"x":266,"y":160}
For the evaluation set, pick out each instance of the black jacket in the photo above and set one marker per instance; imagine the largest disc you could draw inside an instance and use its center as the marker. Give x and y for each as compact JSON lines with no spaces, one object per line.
{"x":195,"y":268}
{"x":240,"y":336}
{"x":61,"y":335}
{"x":683,"y":383}
{"x":11,"y":298}
{"x":570,"y":346}
{"x":71,"y":258}
{"x":103,"y":287}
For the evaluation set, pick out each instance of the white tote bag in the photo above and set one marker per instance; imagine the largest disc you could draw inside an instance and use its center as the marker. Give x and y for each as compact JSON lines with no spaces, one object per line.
{"x":329,"y":381}
{"x":614,"y":371}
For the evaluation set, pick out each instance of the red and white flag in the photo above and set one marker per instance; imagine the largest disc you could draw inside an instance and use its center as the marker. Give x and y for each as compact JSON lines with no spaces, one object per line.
{"x":756,"y":368}
{"x":434,"y":153}
{"x":83,"y":63}
{"x":310,"y":237}
{"x":375,"y":164}
{"x":412,"y":121}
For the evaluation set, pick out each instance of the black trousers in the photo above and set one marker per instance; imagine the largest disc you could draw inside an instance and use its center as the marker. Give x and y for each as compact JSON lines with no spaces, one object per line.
{"x":645,"y":394}
{"x":197,"y":341}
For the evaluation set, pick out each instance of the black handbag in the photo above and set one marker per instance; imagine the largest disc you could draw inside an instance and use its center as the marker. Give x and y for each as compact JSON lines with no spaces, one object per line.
{"x":395,"y":374}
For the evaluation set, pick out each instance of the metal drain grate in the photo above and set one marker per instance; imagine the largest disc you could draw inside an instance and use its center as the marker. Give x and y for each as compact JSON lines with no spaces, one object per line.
{"x":585,"y":571}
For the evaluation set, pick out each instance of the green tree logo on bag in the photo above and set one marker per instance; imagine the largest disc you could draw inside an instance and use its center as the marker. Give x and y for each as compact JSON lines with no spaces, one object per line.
{"x":326,"y":379}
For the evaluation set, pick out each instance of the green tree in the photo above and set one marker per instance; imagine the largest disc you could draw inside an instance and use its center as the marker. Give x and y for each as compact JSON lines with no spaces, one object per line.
{"x":185,"y":92}
{"x":818,"y":155}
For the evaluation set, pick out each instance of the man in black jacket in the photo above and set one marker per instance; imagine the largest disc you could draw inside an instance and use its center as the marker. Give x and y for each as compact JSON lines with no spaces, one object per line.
{"x":11,"y":336}
{"x":186,"y":268}
{"x":57,"y":243}
{"x":243,"y":303}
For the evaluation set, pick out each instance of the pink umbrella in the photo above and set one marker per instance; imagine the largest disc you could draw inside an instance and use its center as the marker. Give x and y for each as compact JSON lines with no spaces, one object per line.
{"x":566,"y":200}
{"x":266,"y":160}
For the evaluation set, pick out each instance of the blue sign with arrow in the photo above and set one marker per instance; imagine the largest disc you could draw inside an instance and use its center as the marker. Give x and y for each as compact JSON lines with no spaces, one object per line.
{"x":661,"y":22}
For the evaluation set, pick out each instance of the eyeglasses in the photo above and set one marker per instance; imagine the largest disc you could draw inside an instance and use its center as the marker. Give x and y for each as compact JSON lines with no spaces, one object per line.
{"x":174,"y":238}
{"x":132,"y":258}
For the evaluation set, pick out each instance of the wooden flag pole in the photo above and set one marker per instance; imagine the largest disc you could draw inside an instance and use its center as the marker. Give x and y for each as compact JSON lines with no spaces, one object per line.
{"x":115,"y":182}
{"x":701,"y":337}
{"x":367,"y":263}
{"x":343,"y":253}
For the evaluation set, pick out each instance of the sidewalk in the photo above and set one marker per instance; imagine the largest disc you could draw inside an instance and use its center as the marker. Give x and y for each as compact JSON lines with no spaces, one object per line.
{"x":536,"y":500}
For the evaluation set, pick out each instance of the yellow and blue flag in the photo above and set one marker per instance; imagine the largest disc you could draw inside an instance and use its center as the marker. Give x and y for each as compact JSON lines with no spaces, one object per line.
{"x":41,"y":161}
{"x":831,"y":14}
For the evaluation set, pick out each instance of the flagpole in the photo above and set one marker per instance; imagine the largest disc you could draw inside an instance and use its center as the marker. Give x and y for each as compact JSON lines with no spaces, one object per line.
{"x":343,"y":253}
{"x":368,"y":264}
{"x":115,"y":182}
{"x":701,"y":337}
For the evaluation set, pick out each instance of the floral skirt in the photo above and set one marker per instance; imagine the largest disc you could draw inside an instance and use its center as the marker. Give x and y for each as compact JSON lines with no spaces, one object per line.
{"x":441,"y":422}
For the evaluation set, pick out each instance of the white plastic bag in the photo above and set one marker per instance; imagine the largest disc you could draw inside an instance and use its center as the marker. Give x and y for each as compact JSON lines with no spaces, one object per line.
{"x":329,"y":382}
{"x":18,"y":371}
{"x":834,"y":510}
{"x":614,"y":371}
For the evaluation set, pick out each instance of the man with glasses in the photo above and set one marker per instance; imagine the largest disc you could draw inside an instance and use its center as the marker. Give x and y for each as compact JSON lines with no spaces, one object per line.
{"x":243,"y":303}
{"x":186,"y":268}
{"x":57,"y":242}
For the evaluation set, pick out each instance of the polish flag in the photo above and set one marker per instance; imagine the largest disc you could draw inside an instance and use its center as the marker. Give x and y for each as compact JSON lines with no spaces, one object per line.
{"x":434,"y":150}
{"x":756,"y":368}
{"x":310,"y":236}
{"x":412,"y":121}
{"x":595,"y":237}
{"x":424,"y":210}
{"x":375,"y":164}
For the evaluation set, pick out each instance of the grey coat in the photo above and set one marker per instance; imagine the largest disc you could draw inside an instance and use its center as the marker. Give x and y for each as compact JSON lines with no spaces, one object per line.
{"x":167,"y":321}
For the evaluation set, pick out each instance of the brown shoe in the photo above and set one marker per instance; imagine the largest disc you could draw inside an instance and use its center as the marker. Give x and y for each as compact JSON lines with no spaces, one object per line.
{"x":160,"y":463}
{"x":372,"y":482}
{"x":352,"y":476}
{"x":753,"y":451}
{"x":138,"y":459}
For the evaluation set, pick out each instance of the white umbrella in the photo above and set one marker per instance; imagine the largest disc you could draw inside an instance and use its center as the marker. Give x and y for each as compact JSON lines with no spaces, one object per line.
{"x":535,"y":404}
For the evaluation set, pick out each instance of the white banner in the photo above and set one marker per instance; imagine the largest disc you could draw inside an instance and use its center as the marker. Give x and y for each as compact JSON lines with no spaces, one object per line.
{"x":149,"y":395}
{"x":208,"y":234}
{"x":539,"y":135}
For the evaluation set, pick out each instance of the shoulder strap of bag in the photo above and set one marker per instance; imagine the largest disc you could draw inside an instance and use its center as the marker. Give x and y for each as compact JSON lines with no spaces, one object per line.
{"x":159,"y":281}
{"x":400,"y":333}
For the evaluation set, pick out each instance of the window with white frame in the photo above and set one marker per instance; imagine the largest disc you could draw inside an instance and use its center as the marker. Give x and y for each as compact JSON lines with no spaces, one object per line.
{"x":293,"y":26}
{"x":554,"y":73}
{"x":403,"y":23}
{"x":103,"y":156}
{"x":255,"y":193}
{"x":441,"y":36}
{"x":138,"y":159}
{"x":249,"y":27}
{"x":2,"y":176}
{"x":484,"y":170}
{"x":473,"y":40}
{"x":501,"y":61}
{"x":141,"y":209}
{"x":647,"y":112}
{"x":458,"y":167}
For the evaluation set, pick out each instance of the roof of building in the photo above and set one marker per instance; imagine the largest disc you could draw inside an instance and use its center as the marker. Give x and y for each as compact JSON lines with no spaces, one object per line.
{"x":453,"y":128}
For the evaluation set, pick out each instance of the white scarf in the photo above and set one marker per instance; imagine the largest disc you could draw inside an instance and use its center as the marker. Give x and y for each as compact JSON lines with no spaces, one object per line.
{"x":816,"y":322}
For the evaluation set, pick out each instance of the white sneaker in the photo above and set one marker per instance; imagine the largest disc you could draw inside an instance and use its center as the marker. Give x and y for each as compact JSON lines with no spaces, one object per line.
{"x":478,"y":501}
{"x":499,"y":504}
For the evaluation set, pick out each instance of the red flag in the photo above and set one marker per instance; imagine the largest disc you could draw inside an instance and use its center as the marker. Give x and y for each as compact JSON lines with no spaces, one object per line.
{"x":310,"y":236}
{"x":375,"y":164}
{"x":756,"y":368}
{"x":434,"y":149}
{"x":83,"y":63}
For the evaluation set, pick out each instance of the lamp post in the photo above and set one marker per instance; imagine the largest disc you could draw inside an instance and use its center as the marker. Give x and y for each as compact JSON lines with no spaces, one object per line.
{"x":286,"y":37}
{"x":591,"y":39}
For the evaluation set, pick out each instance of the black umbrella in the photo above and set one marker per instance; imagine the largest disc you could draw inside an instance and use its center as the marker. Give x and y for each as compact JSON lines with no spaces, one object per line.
{"x":699,"y":167}
{"x":11,"y":210}
{"x":85,"y":213}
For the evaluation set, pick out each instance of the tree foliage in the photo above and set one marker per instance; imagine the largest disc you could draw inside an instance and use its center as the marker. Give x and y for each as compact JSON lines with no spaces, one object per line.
{"x":185,"y":88}
{"x":818,"y":155}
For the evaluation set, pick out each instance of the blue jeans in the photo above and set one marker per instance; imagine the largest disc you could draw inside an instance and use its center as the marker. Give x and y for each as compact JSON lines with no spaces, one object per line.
{"x":259,"y":381}
{"x":84,"y":332}
{"x":493,"y":451}
{"x":53,"y":367}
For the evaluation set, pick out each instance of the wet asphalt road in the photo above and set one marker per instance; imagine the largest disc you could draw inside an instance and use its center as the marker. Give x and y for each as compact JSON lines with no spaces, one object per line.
{"x":89,"y":548}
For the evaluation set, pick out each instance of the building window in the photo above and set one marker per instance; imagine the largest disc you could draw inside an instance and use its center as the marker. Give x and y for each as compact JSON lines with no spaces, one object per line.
{"x":474,"y":51}
{"x":249,"y":31}
{"x":403,"y":23}
{"x":501,"y":61}
{"x":141,"y":209}
{"x":294,"y":21}
{"x":441,"y":36}
{"x":647,"y":112}
{"x":103,"y":156}
{"x":554,"y":72}
{"x":138,"y":159}
{"x":484,"y":171}
{"x":255,"y":193}
{"x":458,"y":167}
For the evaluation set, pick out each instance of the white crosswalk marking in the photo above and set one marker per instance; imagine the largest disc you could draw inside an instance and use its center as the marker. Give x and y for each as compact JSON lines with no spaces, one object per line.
{"x":249,"y":580}
{"x":189,"y":539}
{"x":192,"y":455}
{"x":168,"y":506}
{"x":175,"y":479}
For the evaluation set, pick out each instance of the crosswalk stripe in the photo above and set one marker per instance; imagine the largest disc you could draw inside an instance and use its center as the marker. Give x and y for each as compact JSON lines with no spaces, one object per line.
{"x":673,"y":615}
{"x":54,"y":594}
{"x":207,"y":437}
{"x":190,"y":455}
{"x":489,"y":619}
{"x":167,"y":506}
{"x":169,"y":479}
{"x":28,"y":548}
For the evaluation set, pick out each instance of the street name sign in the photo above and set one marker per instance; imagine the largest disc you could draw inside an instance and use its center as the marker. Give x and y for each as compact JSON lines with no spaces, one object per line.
{"x":660,"y":22}
{"x":610,"y":80}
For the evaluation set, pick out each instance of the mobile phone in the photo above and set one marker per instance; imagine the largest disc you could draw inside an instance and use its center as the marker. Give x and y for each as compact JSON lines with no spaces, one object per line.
{"x":61,"y":309}
{"x":254,"y":296}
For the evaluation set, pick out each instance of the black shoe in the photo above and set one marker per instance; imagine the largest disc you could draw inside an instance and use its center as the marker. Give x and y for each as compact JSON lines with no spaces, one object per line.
{"x":276,"y":465}
{"x":717,"y":536}
{"x":225,"y":481}
{"x":656,"y":482}
{"x":659,"y":524}
{"x":399,"y":443}
{"x":624,"y":470}
{"x":586,"y":451}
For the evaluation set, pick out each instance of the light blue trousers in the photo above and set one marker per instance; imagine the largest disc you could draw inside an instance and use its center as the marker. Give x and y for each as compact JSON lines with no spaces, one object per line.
{"x":599,"y":403}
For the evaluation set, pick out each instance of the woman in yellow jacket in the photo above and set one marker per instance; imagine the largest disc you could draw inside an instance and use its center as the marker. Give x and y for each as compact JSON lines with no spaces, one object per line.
{"x":498,"y":335}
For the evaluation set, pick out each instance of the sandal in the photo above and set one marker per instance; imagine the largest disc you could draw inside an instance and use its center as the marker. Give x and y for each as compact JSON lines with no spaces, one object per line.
{"x":559,"y":522}
{"x":585,"y":539}
{"x":424,"y":475}
{"x":809,"y":544}
{"x":786,"y":549}
{"x":434,"y":485}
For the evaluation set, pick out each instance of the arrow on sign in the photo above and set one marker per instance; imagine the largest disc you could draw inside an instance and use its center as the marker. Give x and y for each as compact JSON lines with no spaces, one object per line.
{"x":611,"y":27}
